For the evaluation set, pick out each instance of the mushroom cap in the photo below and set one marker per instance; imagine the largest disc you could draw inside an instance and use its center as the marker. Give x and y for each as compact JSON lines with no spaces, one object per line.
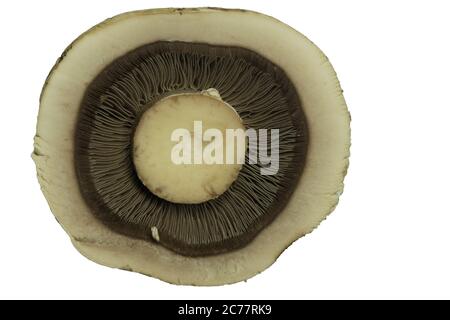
{"x":318,"y":189}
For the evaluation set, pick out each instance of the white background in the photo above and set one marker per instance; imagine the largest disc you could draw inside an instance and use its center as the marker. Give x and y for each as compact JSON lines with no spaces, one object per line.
{"x":389,"y":236}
